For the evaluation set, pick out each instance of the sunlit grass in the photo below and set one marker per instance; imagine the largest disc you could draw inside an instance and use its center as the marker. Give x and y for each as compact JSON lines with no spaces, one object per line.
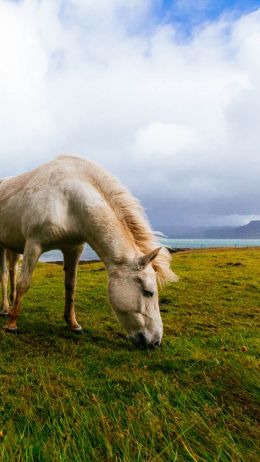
{"x":96,"y":398}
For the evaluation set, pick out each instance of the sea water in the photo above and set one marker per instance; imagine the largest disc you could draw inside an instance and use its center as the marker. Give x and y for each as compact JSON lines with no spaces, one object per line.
{"x":89,"y":254}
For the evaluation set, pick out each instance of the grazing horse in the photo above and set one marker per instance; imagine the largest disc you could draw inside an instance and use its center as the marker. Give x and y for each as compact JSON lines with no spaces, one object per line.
{"x":67,"y":202}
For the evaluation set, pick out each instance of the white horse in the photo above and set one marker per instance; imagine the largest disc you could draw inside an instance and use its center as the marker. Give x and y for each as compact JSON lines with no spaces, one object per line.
{"x":70,"y":201}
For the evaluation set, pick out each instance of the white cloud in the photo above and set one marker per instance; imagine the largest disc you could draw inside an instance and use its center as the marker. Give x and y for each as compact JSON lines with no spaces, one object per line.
{"x":163,"y":140}
{"x":101,"y":79}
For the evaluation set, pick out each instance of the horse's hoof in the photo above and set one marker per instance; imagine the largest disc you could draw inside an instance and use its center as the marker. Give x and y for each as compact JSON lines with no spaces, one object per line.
{"x":4,"y":313}
{"x":77,"y":330}
{"x":11,"y":330}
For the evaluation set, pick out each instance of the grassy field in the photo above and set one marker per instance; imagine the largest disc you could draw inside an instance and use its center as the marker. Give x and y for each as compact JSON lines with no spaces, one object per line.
{"x":96,"y":398}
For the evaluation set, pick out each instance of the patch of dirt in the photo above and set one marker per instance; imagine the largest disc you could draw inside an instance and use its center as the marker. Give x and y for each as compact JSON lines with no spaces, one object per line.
{"x":164,"y":301}
{"x":230,"y":264}
{"x":237,"y":263}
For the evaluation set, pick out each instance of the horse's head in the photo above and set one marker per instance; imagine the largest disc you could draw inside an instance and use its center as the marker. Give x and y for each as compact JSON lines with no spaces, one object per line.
{"x":133,"y":294}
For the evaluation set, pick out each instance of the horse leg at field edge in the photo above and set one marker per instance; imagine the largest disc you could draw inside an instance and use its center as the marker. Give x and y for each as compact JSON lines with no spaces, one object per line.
{"x":13,"y":268}
{"x":71,"y":258}
{"x":32,"y":252}
{"x":4,"y":282}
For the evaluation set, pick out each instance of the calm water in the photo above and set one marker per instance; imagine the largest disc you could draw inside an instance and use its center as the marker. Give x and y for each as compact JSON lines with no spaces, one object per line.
{"x":89,"y":254}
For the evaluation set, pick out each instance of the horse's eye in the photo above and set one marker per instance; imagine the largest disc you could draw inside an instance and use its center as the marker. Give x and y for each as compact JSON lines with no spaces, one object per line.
{"x":148,"y":293}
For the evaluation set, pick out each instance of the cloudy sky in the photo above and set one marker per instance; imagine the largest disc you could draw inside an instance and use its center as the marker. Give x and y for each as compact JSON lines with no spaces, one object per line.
{"x":164,"y":93}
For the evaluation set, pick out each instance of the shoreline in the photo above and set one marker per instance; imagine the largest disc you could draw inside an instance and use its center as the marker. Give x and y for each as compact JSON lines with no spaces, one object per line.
{"x":171,"y":250}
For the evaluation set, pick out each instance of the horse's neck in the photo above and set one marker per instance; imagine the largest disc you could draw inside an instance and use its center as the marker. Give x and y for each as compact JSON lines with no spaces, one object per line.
{"x":110,"y":239}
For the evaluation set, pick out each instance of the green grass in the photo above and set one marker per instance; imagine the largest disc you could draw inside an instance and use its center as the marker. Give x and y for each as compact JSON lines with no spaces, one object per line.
{"x":96,"y":398}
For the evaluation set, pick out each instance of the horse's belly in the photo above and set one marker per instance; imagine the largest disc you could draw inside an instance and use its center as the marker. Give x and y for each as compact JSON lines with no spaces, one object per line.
{"x":17,"y":247}
{"x":11,"y":236}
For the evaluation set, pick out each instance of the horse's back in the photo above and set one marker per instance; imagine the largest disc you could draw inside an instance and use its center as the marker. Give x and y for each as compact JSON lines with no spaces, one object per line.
{"x":47,"y":203}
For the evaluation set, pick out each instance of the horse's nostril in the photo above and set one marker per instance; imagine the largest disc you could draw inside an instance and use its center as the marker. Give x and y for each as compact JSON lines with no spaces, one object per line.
{"x":156,"y":344}
{"x":140,"y":340}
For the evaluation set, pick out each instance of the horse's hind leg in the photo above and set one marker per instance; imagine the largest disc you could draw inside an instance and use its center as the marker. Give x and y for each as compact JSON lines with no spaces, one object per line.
{"x":71,"y":258}
{"x":32,"y":252}
{"x":4,"y":282}
{"x":13,"y":267}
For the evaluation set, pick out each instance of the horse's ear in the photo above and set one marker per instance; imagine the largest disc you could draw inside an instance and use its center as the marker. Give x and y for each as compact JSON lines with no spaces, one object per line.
{"x":146,"y":259}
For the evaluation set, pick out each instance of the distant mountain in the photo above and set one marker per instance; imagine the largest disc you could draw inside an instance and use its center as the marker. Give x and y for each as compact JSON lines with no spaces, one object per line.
{"x":249,"y":231}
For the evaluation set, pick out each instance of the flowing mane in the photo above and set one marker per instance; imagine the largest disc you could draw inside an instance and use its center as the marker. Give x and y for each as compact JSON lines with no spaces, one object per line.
{"x":130,"y":213}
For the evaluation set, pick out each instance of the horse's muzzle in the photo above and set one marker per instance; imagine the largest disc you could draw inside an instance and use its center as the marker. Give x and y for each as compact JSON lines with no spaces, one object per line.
{"x":140,"y":341}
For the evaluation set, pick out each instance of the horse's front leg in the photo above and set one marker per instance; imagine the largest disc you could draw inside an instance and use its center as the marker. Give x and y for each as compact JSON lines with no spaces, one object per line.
{"x":4,"y":282}
{"x":13,"y":268}
{"x":32,"y":252}
{"x":71,"y":258}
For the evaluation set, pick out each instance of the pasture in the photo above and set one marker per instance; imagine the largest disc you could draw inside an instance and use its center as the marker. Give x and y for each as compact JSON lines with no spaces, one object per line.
{"x":96,"y":398}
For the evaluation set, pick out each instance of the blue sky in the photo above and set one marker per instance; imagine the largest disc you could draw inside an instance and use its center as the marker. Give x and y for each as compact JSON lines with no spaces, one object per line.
{"x":190,"y":13}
